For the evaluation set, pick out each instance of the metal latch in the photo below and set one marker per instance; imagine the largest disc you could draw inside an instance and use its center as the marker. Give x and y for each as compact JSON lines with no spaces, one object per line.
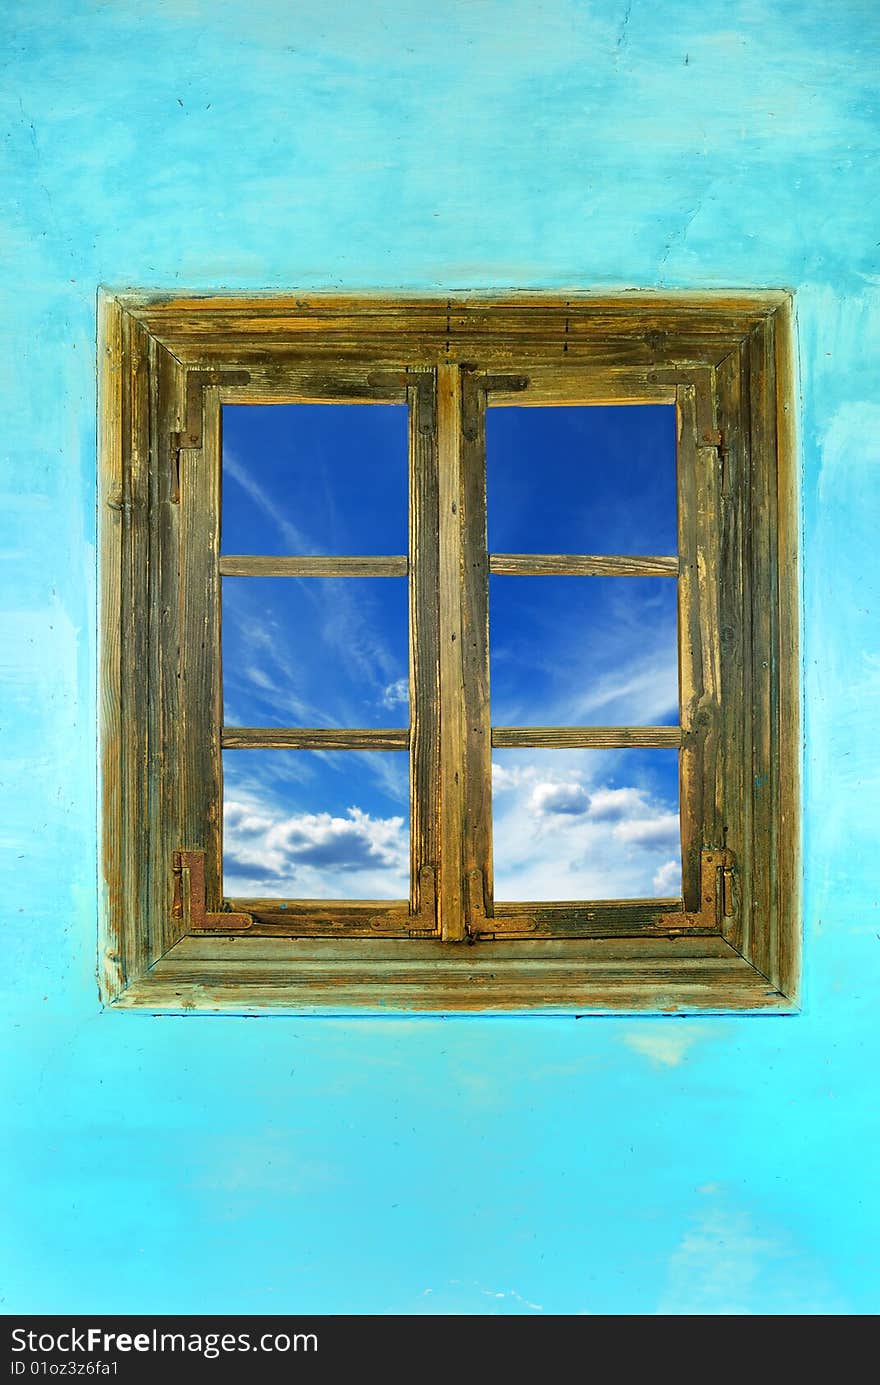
{"x":189,"y":896}
{"x":423,"y":923}
{"x":191,"y":432}
{"x":717,"y":887}
{"x":424,"y":382}
{"x":481,"y":925}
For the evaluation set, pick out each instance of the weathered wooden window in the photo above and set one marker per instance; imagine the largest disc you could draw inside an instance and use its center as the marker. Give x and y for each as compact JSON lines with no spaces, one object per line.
{"x":480,"y":388}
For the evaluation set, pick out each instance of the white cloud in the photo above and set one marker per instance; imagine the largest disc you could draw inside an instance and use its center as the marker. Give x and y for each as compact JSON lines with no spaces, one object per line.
{"x":504,"y":778}
{"x":563,"y":831}
{"x":667,"y":880}
{"x":658,"y":829}
{"x":641,"y":691}
{"x":615,"y":804}
{"x":396,"y":693}
{"x":313,"y":855}
{"x":571,"y":799}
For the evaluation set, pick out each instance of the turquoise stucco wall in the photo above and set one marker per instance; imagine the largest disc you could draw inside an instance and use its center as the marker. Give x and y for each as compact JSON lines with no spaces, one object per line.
{"x":504,"y":1165}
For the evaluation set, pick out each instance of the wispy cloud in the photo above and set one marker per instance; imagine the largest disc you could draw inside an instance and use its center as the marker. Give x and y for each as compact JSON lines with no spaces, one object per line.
{"x":606,"y":660}
{"x":295,"y":539}
{"x":347,"y":622}
{"x":396,"y":694}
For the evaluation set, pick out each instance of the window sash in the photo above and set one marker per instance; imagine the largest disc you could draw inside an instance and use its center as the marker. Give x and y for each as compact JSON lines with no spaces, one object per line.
{"x":451,"y":737}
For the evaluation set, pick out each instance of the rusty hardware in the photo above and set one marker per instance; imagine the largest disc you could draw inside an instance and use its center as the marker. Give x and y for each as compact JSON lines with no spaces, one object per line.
{"x":717,"y":893}
{"x":191,"y":433}
{"x":711,"y":437}
{"x":473,"y":385}
{"x":189,"y":867}
{"x":424,"y":382}
{"x":481,"y":925}
{"x":421,"y":924}
{"x":196,"y":382}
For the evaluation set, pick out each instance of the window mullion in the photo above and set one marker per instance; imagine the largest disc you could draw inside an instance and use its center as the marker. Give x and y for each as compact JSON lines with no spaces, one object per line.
{"x":476,"y":718}
{"x":450,"y":895}
{"x":424,"y":673}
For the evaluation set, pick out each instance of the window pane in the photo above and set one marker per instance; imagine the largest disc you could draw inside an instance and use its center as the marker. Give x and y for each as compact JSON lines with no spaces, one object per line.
{"x":314,"y":478}
{"x":315,"y":651}
{"x":583,"y":651}
{"x":582,"y":479}
{"x":586,"y":824}
{"x":313,"y":824}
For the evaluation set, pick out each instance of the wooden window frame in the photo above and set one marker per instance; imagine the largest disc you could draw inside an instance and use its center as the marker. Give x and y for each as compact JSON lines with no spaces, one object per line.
{"x":168,"y":941}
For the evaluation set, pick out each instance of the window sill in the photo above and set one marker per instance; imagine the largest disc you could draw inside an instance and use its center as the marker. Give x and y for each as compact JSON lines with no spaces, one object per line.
{"x":682,"y":975}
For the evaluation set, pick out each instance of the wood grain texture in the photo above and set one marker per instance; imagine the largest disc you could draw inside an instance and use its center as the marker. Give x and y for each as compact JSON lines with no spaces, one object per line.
{"x":313,"y":738}
{"x":764,"y":596}
{"x":165,"y":562}
{"x":698,"y":616}
{"x":255,"y":565}
{"x":474,"y":695}
{"x":615,"y":330}
{"x":735,"y":637}
{"x":160,"y":639}
{"x":135,"y":690}
{"x":788,"y":852}
{"x":424,"y":642}
{"x":452,"y":770}
{"x":344,"y":918}
{"x":688,"y":974}
{"x":563,"y":384}
{"x":585,"y":737}
{"x":580,"y":565}
{"x":199,"y":670}
{"x":559,"y":919}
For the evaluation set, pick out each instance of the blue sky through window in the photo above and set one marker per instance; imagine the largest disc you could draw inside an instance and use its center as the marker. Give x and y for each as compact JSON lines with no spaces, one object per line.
{"x":331,"y":479}
{"x":315,"y":651}
{"x":314,"y":478}
{"x":576,"y":479}
{"x":583,"y":651}
{"x":568,"y":651}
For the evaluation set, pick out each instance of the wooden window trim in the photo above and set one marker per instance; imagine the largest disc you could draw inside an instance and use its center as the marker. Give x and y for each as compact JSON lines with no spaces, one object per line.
{"x":168,"y":363}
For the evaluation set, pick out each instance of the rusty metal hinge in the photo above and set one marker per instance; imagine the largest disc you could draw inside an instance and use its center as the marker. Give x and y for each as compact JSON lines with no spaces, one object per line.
{"x":423,"y":922}
{"x":423,"y":382}
{"x":714,"y":438}
{"x":474,"y":385}
{"x":717,"y":893}
{"x":190,"y":435}
{"x":482,"y":925}
{"x":189,"y":896}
